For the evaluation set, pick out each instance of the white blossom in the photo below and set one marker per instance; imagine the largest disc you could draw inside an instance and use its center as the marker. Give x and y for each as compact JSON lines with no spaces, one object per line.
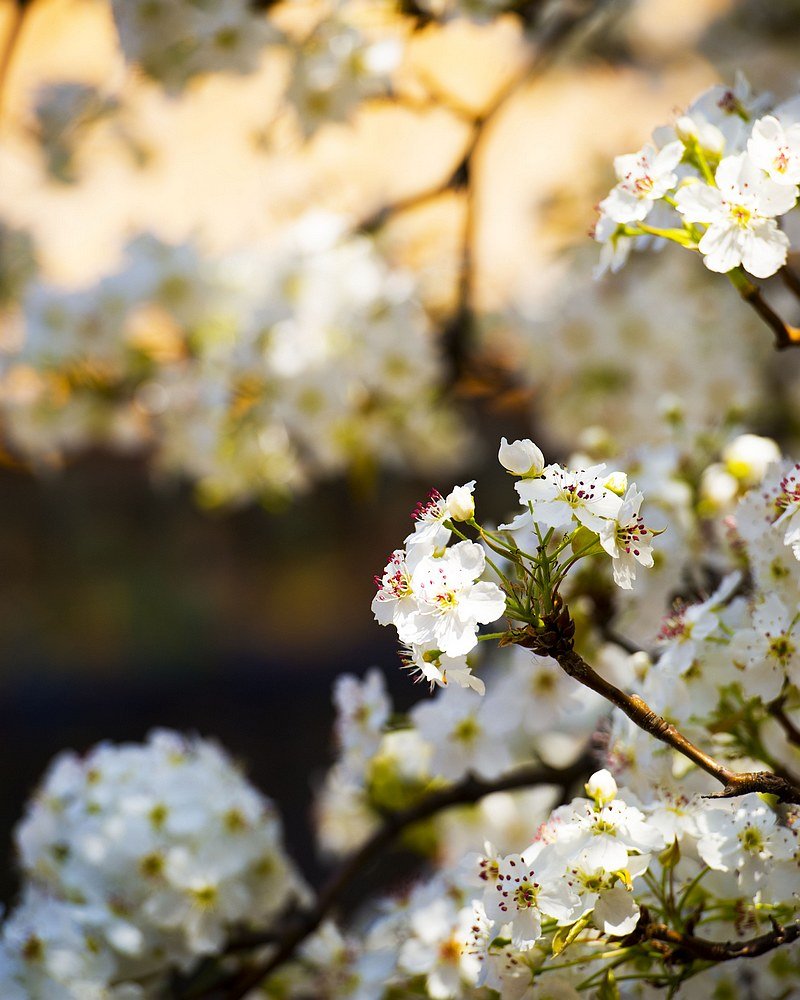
{"x":740,"y":215}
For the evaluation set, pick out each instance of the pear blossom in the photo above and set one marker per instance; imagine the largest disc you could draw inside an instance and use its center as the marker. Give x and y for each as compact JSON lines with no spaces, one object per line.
{"x":439,"y":669}
{"x":627,"y":540}
{"x":644,"y":178}
{"x":561,"y":497}
{"x":616,"y":247}
{"x":743,"y":836}
{"x":776,"y":150}
{"x":787,"y":501}
{"x":521,"y":893}
{"x":450,"y":602}
{"x":727,"y":110}
{"x":604,"y":892}
{"x":521,"y":458}
{"x":439,"y":943}
{"x":602,"y":787}
{"x":466,"y":734}
{"x":611,"y":829}
{"x":749,"y":456}
{"x":152,"y":853}
{"x":430,"y":532}
{"x":395,"y":602}
{"x":362,"y":708}
{"x":740,"y":215}
{"x":689,"y":625}
{"x":769,"y":652}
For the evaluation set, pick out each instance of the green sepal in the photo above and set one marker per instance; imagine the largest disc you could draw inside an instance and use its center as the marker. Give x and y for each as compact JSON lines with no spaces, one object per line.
{"x":564,"y":936}
{"x":671,"y":855}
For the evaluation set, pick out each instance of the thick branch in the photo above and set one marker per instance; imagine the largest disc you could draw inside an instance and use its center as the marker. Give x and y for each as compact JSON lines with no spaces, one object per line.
{"x":721,"y":951}
{"x":639,"y":712}
{"x":465,"y":792}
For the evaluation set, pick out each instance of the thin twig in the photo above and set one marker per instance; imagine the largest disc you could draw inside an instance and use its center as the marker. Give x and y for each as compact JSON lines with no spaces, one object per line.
{"x":790,"y":730}
{"x":466,"y":792}
{"x":785,"y":335}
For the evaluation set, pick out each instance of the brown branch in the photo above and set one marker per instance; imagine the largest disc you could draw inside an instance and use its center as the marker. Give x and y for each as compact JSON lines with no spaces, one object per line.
{"x":791,"y":279}
{"x":790,"y":730}
{"x":21,"y":8}
{"x":555,"y":638}
{"x":785,"y":335}
{"x":466,"y":792}
{"x":720,"y":951}
{"x":557,"y":33}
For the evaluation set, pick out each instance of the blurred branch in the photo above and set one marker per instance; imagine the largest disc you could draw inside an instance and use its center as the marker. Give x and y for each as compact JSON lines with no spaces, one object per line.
{"x":791,"y":279}
{"x":558,"y":25}
{"x":21,"y":8}
{"x":466,"y":792}
{"x":785,"y":335}
{"x":790,"y":730}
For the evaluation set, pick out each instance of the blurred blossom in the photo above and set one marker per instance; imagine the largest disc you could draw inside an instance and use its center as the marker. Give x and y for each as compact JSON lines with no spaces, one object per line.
{"x":139,"y":858}
{"x":641,"y":349}
{"x":63,"y":112}
{"x":176,"y":40}
{"x":253,"y":374}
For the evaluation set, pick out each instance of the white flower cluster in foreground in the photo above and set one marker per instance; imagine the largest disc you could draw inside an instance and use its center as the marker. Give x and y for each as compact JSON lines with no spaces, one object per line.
{"x":253,"y":374}
{"x":138,"y":859}
{"x":432,"y":592}
{"x":564,"y":889}
{"x":557,"y":914}
{"x":718,"y":181}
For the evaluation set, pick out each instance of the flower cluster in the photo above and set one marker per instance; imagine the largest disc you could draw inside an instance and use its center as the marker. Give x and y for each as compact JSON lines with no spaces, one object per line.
{"x":432,"y":592}
{"x":588,"y":393}
{"x":335,"y":69}
{"x":139,"y":859}
{"x":559,"y":913}
{"x":252,"y":375}
{"x":175,"y":41}
{"x":717,"y":181}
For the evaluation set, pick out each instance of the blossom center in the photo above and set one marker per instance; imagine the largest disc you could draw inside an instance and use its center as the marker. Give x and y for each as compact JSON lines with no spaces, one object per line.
{"x":741,"y":215}
{"x":751,"y":839}
{"x":525,"y":895}
{"x":781,"y":648}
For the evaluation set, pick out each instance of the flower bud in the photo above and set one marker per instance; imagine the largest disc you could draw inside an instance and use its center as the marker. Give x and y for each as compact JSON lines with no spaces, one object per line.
{"x":718,"y":488}
{"x":521,"y":458}
{"x":617,"y":482}
{"x":601,"y":787}
{"x":460,"y":502}
{"x":748,"y":456}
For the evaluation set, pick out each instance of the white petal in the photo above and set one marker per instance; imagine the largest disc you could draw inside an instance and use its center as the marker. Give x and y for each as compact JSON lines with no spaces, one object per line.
{"x":616,"y":912}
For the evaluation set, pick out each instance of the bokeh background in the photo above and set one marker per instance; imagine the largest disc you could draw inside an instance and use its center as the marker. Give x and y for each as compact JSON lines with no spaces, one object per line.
{"x":129,"y":597}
